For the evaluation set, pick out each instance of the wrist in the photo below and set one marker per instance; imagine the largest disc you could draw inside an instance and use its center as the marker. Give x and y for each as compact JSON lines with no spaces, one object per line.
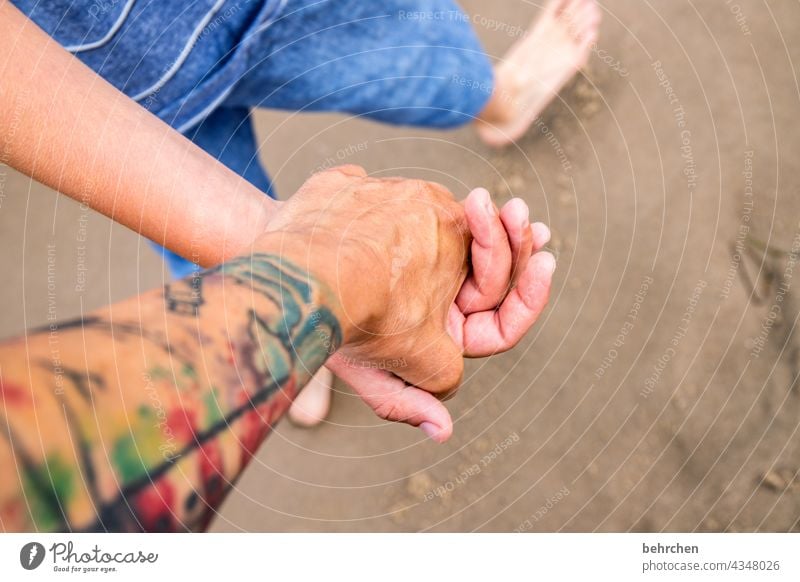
{"x":334,"y":267}
{"x":233,"y":230}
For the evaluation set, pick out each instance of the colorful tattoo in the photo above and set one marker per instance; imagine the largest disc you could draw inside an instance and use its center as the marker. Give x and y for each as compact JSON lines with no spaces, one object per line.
{"x":142,"y":417}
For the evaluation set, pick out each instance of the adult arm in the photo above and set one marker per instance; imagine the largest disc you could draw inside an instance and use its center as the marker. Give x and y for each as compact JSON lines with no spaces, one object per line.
{"x":142,"y":415}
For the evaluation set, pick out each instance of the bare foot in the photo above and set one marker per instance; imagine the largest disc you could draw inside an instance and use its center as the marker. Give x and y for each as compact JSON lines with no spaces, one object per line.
{"x":537,"y":67}
{"x":314,"y":401}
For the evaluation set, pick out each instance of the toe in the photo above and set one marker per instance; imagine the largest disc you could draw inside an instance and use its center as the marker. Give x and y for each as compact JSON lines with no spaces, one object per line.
{"x":571,"y":17}
{"x":556,"y":7}
{"x":591,"y":14}
{"x":586,"y":23}
{"x":571,"y":7}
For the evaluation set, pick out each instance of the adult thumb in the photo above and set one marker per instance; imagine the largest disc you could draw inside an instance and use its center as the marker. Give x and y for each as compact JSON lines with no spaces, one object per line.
{"x":392,"y":399}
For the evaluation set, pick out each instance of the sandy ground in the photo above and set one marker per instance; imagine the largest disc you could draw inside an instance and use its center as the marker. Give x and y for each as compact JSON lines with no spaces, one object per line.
{"x":658,"y":392}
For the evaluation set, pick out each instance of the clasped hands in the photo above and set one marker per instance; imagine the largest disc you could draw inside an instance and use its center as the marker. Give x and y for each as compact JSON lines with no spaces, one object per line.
{"x":422,"y":281}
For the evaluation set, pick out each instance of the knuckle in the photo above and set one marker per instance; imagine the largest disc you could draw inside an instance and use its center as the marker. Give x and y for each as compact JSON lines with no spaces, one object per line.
{"x":440,"y":191}
{"x":431,"y":190}
{"x":387,"y":409}
{"x":349,"y":170}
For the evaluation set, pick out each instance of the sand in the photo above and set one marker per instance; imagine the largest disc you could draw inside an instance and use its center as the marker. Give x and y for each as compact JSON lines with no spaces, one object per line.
{"x":659,"y":390}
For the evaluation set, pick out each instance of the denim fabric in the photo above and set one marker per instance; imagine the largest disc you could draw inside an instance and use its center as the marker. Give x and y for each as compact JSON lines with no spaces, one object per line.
{"x":177,"y":58}
{"x":200,"y":65}
{"x":405,"y":62}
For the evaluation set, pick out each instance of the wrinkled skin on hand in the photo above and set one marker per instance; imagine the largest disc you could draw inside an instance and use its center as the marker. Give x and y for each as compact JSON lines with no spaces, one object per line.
{"x":423,"y":282}
{"x":409,"y":241}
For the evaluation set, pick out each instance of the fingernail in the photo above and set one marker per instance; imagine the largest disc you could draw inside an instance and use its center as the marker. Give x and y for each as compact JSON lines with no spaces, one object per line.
{"x":544,"y":231}
{"x":548,"y":264}
{"x":488,"y":204}
{"x":431,"y":430}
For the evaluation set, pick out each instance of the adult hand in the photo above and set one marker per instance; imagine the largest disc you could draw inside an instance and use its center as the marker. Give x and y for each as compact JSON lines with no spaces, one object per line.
{"x":505,"y":292}
{"x":507,"y":288}
{"x":395,"y":253}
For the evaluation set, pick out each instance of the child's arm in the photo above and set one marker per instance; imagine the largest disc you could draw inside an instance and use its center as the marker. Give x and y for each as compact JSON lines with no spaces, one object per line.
{"x":66,"y":127}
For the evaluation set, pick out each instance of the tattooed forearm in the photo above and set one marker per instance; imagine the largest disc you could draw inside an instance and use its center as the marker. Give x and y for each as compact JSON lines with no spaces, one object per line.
{"x":185,"y":296}
{"x":162,"y":399}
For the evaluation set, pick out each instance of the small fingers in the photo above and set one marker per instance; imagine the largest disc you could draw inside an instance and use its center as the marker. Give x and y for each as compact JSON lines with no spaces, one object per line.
{"x":492,"y":332}
{"x":491,"y":255}
{"x":540,"y":233}
{"x":514,"y":216}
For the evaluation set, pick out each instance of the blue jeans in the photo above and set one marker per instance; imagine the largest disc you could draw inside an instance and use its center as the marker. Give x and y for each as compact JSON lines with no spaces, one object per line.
{"x":202,"y":65}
